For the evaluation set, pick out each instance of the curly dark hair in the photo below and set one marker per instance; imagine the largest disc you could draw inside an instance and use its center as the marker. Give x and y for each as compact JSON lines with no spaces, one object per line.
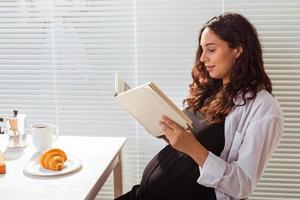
{"x":208,"y":95}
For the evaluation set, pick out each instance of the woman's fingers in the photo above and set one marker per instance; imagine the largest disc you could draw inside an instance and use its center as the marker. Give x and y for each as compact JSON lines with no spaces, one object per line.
{"x":165,"y":127}
{"x":173,"y":125}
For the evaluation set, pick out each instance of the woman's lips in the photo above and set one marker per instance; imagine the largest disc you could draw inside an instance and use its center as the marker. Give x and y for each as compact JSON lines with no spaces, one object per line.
{"x":209,"y":68}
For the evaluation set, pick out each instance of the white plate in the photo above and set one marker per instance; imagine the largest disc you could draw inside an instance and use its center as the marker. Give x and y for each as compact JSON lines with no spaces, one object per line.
{"x":34,"y":168}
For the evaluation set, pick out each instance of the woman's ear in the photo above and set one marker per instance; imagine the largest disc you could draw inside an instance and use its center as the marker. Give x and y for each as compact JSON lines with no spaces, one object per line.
{"x":238,"y":51}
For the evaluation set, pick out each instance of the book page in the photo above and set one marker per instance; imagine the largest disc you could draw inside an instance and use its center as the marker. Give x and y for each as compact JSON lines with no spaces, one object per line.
{"x":147,"y":107}
{"x":165,"y":99}
{"x":120,"y":85}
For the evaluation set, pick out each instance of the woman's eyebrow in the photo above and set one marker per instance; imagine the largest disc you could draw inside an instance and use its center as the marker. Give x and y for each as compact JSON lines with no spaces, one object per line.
{"x":208,"y":44}
{"x":211,"y":43}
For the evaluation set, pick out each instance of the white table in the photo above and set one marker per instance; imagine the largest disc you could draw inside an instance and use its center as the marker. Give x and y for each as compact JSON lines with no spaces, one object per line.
{"x":99,"y":156}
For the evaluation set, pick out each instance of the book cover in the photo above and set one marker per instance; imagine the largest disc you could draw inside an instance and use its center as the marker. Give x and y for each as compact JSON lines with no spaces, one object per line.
{"x":147,"y":103}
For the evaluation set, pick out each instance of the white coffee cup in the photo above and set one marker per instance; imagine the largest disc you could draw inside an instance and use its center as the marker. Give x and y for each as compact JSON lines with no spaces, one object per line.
{"x":43,"y":135}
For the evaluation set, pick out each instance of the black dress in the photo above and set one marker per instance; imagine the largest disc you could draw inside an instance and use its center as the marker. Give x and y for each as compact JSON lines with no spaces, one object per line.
{"x":172,"y":175}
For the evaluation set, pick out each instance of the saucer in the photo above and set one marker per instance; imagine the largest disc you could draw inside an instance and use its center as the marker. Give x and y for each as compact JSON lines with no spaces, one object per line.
{"x":34,"y":168}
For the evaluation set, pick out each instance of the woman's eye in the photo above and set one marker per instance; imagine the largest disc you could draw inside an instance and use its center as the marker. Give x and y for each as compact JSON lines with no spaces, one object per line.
{"x":211,"y":50}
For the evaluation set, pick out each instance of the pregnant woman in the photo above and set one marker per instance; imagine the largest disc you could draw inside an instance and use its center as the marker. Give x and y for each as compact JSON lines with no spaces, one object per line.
{"x":237,"y":123}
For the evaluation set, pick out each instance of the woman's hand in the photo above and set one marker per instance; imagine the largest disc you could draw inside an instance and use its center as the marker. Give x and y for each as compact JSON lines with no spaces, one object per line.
{"x":178,"y":137}
{"x":183,"y":140}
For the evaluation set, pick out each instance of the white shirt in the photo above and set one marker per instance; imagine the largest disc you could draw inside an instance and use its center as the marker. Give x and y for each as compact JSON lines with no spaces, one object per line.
{"x":252,"y":132}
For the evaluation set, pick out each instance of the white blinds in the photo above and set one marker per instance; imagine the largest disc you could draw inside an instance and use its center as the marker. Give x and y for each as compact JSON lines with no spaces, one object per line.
{"x":26,"y":81}
{"x":278,"y":24}
{"x":57,"y":64}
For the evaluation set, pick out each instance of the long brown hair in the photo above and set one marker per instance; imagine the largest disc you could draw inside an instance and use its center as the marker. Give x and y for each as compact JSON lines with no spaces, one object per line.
{"x":209,"y":96}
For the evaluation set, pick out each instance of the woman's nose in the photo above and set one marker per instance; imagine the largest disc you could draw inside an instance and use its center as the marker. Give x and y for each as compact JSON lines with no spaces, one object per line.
{"x":203,"y":57}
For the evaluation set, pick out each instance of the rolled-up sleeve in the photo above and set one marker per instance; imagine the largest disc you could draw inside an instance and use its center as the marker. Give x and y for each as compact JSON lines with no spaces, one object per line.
{"x":238,"y":178}
{"x":212,"y":164}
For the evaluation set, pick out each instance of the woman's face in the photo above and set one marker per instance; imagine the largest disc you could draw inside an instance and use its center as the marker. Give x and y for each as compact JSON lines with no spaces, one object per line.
{"x":217,"y":57}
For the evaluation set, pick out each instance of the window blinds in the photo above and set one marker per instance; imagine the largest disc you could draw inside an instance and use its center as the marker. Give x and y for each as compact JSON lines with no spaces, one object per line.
{"x":26,"y":70}
{"x":57,"y":64}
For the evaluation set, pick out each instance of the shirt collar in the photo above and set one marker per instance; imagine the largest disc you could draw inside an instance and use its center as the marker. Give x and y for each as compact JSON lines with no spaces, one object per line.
{"x":238,"y":100}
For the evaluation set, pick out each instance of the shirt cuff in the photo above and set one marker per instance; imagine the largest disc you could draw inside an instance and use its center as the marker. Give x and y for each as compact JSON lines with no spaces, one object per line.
{"x":212,"y":171}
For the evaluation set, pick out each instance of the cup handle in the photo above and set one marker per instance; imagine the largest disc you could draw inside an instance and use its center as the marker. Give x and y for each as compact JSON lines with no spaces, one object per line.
{"x":56,"y":132}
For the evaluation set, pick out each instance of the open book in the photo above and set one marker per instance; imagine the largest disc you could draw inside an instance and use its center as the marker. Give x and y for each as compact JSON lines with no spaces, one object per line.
{"x":147,"y":103}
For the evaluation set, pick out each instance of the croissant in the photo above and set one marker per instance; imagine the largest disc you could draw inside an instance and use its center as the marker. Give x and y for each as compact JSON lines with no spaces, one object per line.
{"x":53,"y":159}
